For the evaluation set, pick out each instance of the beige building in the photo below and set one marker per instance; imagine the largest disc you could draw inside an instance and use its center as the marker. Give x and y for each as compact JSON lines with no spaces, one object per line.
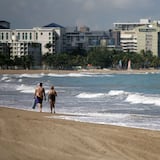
{"x":148,"y":38}
{"x":135,"y":37}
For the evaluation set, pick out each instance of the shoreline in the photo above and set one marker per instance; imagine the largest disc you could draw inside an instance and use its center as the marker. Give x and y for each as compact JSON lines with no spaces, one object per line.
{"x":74,"y":115}
{"x":30,"y":135}
{"x":98,"y":71}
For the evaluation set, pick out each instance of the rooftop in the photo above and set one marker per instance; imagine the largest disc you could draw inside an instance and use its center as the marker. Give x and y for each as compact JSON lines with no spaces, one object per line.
{"x":53,"y":25}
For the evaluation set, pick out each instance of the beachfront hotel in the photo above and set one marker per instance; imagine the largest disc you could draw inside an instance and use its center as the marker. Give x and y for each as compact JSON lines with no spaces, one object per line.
{"x":48,"y":34}
{"x":143,"y":35}
{"x":22,"y":42}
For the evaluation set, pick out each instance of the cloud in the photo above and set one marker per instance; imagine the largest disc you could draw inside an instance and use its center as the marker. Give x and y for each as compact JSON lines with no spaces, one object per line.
{"x":89,"y":5}
{"x":99,"y":13}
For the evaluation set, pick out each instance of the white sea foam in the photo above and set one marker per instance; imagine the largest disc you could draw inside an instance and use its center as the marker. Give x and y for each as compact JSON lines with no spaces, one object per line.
{"x":100,"y":95}
{"x":31,"y":75}
{"x":6,"y":79}
{"x":70,"y":75}
{"x":20,"y":80}
{"x":143,"y":99}
{"x":79,"y":75}
{"x":25,"y":89}
{"x":117,"y":92}
{"x":57,"y":75}
{"x":90,"y":95}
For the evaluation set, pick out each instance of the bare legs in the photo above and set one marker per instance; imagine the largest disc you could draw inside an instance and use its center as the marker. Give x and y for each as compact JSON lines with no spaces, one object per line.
{"x":52,"y":106}
{"x":40,"y":107}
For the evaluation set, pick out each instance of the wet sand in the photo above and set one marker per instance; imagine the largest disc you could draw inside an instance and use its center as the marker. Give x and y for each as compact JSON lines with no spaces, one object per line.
{"x":31,"y":135}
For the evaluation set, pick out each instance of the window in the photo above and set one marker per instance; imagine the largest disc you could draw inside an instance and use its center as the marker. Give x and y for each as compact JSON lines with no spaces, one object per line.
{"x":2,"y":36}
{"x":7,"y":36}
{"x":26,"y":36}
{"x":23,"y":36}
{"x":30,"y":36}
{"x":18,"y":35}
{"x":36,"y":36}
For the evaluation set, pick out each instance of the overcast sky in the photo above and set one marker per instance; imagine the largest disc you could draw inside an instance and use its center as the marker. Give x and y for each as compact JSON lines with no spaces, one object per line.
{"x":96,"y":14}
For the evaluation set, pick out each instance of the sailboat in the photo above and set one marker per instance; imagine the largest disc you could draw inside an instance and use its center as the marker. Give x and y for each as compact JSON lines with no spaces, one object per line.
{"x":129,"y":65}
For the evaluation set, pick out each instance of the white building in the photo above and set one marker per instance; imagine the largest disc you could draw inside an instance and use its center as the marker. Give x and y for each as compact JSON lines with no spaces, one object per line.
{"x":128,"y":41}
{"x":35,"y":42}
{"x":50,"y":34}
{"x":130,"y":25}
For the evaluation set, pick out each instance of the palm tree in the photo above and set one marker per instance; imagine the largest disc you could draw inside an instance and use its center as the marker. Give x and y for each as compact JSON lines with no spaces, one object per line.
{"x":48,"y":46}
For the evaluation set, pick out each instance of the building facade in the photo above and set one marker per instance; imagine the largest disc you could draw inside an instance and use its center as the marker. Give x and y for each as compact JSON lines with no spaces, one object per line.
{"x":148,"y":38}
{"x":85,"y":39}
{"x":36,"y":42}
{"x":135,"y":37}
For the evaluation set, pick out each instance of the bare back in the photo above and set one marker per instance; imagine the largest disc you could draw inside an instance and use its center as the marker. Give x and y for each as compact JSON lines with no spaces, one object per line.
{"x":39,"y":92}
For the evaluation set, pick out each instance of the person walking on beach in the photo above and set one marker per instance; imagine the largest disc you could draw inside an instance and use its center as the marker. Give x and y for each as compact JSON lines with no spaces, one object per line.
{"x":39,"y":95}
{"x":52,"y":98}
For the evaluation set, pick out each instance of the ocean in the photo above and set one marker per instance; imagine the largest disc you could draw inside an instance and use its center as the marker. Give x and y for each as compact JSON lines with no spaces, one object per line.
{"x":131,"y":100}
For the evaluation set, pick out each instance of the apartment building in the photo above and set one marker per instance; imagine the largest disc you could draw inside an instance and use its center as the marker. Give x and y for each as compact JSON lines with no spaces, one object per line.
{"x":148,"y":38}
{"x":4,"y":48}
{"x":128,"y":41}
{"x":128,"y":37}
{"x":30,"y":49}
{"x":83,"y":38}
{"x":135,"y":37}
{"x":33,"y":41}
{"x":43,"y":35}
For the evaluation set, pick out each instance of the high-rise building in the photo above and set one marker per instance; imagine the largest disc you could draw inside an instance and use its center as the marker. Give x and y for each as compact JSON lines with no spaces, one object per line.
{"x":148,"y":38}
{"x":144,"y":35}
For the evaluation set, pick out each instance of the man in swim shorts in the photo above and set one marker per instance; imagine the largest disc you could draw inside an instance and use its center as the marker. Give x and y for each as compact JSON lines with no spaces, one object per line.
{"x":40,"y":94}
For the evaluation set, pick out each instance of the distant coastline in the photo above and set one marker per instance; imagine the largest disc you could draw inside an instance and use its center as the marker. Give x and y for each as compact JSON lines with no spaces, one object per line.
{"x":98,"y":71}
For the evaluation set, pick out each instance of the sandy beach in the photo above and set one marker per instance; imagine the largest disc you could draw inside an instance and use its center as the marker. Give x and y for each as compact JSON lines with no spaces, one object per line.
{"x":99,"y":71}
{"x":31,"y":135}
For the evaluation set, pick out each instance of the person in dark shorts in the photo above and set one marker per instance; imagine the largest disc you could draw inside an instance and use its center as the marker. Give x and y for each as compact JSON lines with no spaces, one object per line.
{"x":40,"y":94}
{"x":52,"y":98}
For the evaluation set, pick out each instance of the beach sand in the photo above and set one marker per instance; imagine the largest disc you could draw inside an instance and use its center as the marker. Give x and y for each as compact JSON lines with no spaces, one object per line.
{"x":99,"y":71}
{"x":29,"y":135}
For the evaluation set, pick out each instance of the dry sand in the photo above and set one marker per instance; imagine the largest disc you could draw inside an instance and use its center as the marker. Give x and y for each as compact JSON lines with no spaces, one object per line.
{"x":26,"y":135}
{"x":107,"y":71}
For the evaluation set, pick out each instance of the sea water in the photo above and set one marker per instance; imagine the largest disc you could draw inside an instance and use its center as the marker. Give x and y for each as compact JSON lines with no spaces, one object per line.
{"x":131,"y":100}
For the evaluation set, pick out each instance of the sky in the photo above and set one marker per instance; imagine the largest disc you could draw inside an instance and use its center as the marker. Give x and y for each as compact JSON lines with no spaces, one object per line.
{"x":96,"y":14}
